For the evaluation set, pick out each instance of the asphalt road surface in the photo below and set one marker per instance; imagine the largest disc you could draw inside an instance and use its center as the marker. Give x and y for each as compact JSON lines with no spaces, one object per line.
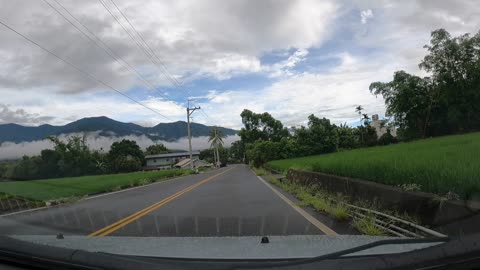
{"x":230,"y":201}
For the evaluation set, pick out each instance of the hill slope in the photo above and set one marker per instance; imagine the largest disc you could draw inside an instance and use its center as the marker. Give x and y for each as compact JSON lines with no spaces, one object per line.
{"x":107,"y":127}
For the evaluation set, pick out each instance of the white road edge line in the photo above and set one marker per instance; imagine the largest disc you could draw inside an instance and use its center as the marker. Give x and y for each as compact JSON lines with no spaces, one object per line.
{"x":92,"y":197}
{"x":322,"y":227}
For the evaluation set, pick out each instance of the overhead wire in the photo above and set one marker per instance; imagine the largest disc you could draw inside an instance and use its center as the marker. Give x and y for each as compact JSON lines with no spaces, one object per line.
{"x":149,"y":56}
{"x":173,"y":80}
{"x":87,"y":74}
{"x":160,"y":60}
{"x":109,"y":51}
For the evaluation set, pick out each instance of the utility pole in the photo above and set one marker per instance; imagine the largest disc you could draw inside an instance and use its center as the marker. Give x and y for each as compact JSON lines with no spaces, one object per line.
{"x":189,"y":113}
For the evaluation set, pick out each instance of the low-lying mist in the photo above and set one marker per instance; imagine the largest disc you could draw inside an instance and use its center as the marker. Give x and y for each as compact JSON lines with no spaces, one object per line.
{"x":11,"y":150}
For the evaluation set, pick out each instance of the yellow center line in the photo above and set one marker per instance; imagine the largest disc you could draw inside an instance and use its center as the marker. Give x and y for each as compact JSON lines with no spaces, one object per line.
{"x":131,"y":218}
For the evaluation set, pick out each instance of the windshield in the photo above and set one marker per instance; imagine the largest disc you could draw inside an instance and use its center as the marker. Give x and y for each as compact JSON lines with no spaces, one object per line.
{"x":212,"y":129}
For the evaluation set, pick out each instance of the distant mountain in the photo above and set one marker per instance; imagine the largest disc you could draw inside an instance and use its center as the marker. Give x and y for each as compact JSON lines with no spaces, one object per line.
{"x":106,"y":127}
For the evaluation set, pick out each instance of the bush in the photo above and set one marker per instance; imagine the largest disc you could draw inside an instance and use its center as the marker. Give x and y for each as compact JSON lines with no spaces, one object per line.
{"x":386,"y":139}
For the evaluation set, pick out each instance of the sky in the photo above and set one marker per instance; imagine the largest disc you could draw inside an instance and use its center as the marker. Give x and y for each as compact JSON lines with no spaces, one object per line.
{"x":289,"y":58}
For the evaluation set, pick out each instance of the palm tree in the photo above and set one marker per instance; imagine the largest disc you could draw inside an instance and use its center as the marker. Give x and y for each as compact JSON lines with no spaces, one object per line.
{"x":359,"y":110}
{"x":365,"y":118}
{"x":216,"y":140}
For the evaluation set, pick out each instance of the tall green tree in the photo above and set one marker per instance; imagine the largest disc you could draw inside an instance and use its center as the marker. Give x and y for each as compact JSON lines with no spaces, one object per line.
{"x":261,"y":127}
{"x":237,"y":151}
{"x":449,"y":100}
{"x":320,"y":136}
{"x":346,"y":137}
{"x":409,"y":100}
{"x":455,"y":67}
{"x":74,"y":156}
{"x":125,"y":156}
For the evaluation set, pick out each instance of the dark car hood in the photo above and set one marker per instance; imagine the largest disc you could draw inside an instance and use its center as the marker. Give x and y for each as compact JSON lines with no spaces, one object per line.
{"x":246,"y":247}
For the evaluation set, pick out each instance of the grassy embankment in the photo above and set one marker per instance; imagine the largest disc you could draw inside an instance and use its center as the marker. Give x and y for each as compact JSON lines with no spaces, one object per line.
{"x":71,"y":187}
{"x":438,"y":165}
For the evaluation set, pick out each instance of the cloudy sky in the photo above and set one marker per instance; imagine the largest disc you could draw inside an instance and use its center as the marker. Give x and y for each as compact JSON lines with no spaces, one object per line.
{"x":290,"y":58}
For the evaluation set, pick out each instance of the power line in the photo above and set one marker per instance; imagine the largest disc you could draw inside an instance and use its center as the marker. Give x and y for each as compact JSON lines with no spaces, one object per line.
{"x":80,"y":70}
{"x":149,"y":56}
{"x":206,"y":115}
{"x":106,"y":48}
{"x":146,"y":44}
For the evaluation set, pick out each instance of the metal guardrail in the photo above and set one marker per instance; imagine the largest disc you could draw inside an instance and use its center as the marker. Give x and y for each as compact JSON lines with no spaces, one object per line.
{"x":394,"y":225}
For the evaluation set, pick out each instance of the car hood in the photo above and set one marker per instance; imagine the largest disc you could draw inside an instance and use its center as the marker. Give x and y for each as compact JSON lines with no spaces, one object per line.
{"x":246,"y":247}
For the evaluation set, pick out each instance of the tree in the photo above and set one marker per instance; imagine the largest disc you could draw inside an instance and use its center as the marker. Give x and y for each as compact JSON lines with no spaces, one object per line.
{"x":320,"y":136}
{"x":447,"y":102}
{"x":359,"y":110}
{"x":408,"y":99}
{"x":366,"y":135}
{"x":74,"y":156}
{"x":125,"y":156}
{"x":215,"y":138}
{"x":455,"y":67}
{"x":156,"y":149}
{"x":261,"y":127}
{"x":387,"y":138}
{"x":237,"y":151}
{"x":50,"y":164}
{"x":365,"y":118}
{"x":346,"y":137}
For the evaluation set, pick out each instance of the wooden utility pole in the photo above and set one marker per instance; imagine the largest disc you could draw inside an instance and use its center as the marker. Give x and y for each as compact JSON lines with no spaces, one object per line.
{"x":189,"y":113}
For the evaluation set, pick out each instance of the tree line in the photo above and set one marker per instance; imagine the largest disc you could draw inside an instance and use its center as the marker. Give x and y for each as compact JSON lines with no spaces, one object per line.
{"x":73,"y":157}
{"x":264,"y":138}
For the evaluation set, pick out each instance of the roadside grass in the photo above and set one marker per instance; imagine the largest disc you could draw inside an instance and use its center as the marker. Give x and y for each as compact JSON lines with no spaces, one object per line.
{"x":71,"y":188}
{"x":324,"y":202}
{"x":259,"y":171}
{"x":313,"y":196}
{"x":366,"y":226}
{"x":442,"y":165}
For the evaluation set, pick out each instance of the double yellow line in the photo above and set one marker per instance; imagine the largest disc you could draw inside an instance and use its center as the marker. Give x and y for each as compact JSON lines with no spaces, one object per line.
{"x":125,"y":221}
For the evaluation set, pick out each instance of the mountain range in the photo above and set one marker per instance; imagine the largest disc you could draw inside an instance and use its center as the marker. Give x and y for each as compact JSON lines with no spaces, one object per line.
{"x":106,"y":127}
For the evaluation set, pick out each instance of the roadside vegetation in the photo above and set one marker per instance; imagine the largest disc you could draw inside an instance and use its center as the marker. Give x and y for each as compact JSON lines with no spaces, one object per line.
{"x":437,"y":165}
{"x":327,"y":203}
{"x":73,"y":187}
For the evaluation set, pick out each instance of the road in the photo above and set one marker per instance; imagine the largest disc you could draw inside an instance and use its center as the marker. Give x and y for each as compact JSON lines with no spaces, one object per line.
{"x":230,"y":201}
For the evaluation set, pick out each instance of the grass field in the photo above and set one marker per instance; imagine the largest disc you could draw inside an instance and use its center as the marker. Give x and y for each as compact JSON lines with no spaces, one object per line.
{"x":52,"y":189}
{"x":437,"y":165}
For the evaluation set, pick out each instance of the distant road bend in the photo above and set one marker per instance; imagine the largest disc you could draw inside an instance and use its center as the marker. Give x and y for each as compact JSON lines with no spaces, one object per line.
{"x":230,"y":201}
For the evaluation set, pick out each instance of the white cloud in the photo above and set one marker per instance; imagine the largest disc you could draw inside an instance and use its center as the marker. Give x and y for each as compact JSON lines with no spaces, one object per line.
{"x":20,"y":116}
{"x":284,"y":68}
{"x":191,"y":37}
{"x":365,"y":15}
{"x":333,"y":95}
{"x":55,"y":108}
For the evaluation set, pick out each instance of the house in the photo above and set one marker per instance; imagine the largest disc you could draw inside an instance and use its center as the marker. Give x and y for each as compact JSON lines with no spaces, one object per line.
{"x":166,"y":161}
